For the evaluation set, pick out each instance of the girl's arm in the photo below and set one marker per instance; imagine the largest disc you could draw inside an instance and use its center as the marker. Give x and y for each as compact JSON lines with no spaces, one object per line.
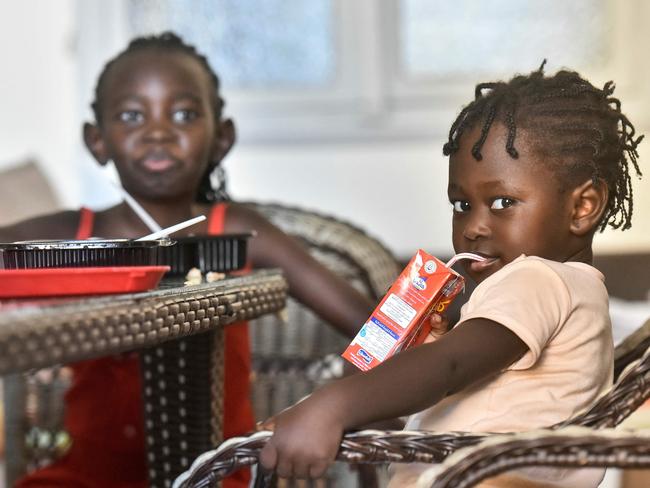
{"x":61,"y":225}
{"x":327,"y":294}
{"x":307,"y":435}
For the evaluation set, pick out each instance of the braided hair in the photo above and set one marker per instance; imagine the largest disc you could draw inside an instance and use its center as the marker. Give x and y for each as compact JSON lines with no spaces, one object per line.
{"x":169,"y":41}
{"x":576,"y":128}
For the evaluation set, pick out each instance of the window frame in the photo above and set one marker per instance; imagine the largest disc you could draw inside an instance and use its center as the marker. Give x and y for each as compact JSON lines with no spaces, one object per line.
{"x":369,"y":99}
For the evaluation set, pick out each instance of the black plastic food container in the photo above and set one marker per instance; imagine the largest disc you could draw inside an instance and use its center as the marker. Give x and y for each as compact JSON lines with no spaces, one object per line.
{"x":74,"y":254}
{"x":221,"y":253}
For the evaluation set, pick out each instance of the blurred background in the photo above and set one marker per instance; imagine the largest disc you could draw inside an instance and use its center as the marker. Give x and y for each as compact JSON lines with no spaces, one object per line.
{"x":341,"y":106}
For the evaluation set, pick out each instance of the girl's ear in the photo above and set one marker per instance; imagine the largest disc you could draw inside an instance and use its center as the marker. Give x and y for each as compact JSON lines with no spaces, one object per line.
{"x":95,"y":143}
{"x":589,"y":201}
{"x":225,"y":139}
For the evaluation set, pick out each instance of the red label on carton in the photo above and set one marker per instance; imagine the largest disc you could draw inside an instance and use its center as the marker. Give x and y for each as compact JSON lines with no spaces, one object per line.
{"x":425,"y":286}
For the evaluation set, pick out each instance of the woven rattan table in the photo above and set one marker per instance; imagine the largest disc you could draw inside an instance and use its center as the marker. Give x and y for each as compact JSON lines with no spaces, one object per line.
{"x":178,"y":333}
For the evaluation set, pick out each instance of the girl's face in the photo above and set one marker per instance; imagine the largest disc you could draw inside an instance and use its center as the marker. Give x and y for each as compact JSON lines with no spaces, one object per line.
{"x":158,"y":124}
{"x":504,"y":207}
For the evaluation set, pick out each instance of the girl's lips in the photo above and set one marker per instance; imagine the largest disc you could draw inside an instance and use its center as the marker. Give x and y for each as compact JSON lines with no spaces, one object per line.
{"x":156,"y":165}
{"x":480,"y":266}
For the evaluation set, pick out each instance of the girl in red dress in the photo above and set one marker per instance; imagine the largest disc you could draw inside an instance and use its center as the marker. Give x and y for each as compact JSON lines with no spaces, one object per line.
{"x":158,"y":117}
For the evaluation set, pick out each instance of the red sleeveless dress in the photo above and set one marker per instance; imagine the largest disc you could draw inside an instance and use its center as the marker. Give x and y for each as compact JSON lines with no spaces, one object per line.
{"x":104,"y":412}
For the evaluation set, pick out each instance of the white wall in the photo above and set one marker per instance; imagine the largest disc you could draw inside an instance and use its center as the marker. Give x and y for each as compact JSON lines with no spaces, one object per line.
{"x":394,"y":188}
{"x":38,"y":105}
{"x":636,"y":239}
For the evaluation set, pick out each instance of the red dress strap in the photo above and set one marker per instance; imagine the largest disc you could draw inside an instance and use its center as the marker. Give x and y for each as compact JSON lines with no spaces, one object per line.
{"x":86,"y":221}
{"x":217,"y":219}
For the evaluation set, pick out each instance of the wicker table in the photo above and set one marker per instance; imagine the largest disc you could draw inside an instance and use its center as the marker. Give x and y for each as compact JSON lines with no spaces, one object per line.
{"x":165,"y":326}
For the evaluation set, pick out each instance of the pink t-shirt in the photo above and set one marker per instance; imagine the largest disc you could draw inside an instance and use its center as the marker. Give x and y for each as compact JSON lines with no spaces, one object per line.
{"x":560,"y":310}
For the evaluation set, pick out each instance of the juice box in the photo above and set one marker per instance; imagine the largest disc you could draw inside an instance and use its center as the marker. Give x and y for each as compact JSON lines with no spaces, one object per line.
{"x":425,"y":286}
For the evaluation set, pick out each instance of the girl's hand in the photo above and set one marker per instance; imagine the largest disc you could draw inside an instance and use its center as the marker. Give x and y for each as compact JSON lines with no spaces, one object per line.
{"x":305,"y":441}
{"x":439,"y":326}
{"x":268,"y":424}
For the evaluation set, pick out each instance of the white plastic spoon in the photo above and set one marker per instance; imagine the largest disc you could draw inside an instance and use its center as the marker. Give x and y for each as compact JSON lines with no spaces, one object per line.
{"x":170,"y":230}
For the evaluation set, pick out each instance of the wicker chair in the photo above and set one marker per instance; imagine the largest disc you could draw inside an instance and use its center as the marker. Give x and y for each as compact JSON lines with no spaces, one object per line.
{"x":631,"y":389}
{"x":577,"y":447}
{"x":33,"y":425}
{"x":295,"y":353}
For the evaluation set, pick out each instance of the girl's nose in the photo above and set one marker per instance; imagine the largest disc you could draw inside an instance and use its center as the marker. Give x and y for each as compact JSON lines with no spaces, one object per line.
{"x":476,"y":228}
{"x":159,"y":130}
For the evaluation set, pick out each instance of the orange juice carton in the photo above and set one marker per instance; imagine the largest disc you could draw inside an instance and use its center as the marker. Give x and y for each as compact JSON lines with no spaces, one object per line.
{"x":425,"y":286}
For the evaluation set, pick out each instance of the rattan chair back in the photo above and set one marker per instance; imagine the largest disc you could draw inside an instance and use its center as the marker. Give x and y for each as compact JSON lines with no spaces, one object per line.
{"x":295,"y":353}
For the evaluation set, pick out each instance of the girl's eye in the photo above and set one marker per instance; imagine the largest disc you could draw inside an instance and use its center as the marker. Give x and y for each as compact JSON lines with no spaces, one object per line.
{"x":501,"y":203}
{"x":130,"y":116}
{"x":461,"y":206}
{"x":182,"y":116}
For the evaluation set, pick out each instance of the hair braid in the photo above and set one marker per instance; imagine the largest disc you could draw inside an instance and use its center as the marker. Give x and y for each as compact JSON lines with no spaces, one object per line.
{"x":489,"y":118}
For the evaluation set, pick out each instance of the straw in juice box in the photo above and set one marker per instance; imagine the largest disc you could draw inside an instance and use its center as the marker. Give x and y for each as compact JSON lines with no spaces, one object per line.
{"x":425,"y":286}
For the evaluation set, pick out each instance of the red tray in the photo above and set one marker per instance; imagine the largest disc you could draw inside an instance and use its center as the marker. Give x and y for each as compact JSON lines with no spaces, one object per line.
{"x":40,"y":282}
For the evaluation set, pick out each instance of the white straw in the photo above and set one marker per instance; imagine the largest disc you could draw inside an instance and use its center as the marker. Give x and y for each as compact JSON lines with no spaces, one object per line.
{"x":172,"y":229}
{"x":138,"y":209}
{"x":464,"y":255}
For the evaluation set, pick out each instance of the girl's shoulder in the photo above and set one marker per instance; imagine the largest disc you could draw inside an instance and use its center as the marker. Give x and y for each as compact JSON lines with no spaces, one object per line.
{"x":59,"y":225}
{"x":543,"y":272}
{"x":271,"y":246}
{"x":242,"y":218}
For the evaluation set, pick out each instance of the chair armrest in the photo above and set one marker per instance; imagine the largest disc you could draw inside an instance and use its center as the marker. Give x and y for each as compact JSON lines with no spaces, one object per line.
{"x":577,"y":447}
{"x":361,"y":447}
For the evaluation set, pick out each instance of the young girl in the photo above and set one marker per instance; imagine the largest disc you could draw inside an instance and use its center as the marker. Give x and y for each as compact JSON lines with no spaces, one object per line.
{"x":159,"y":119}
{"x":537,"y":165}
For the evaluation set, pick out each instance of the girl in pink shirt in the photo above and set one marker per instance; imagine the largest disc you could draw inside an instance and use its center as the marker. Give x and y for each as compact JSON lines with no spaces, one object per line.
{"x":537,"y":165}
